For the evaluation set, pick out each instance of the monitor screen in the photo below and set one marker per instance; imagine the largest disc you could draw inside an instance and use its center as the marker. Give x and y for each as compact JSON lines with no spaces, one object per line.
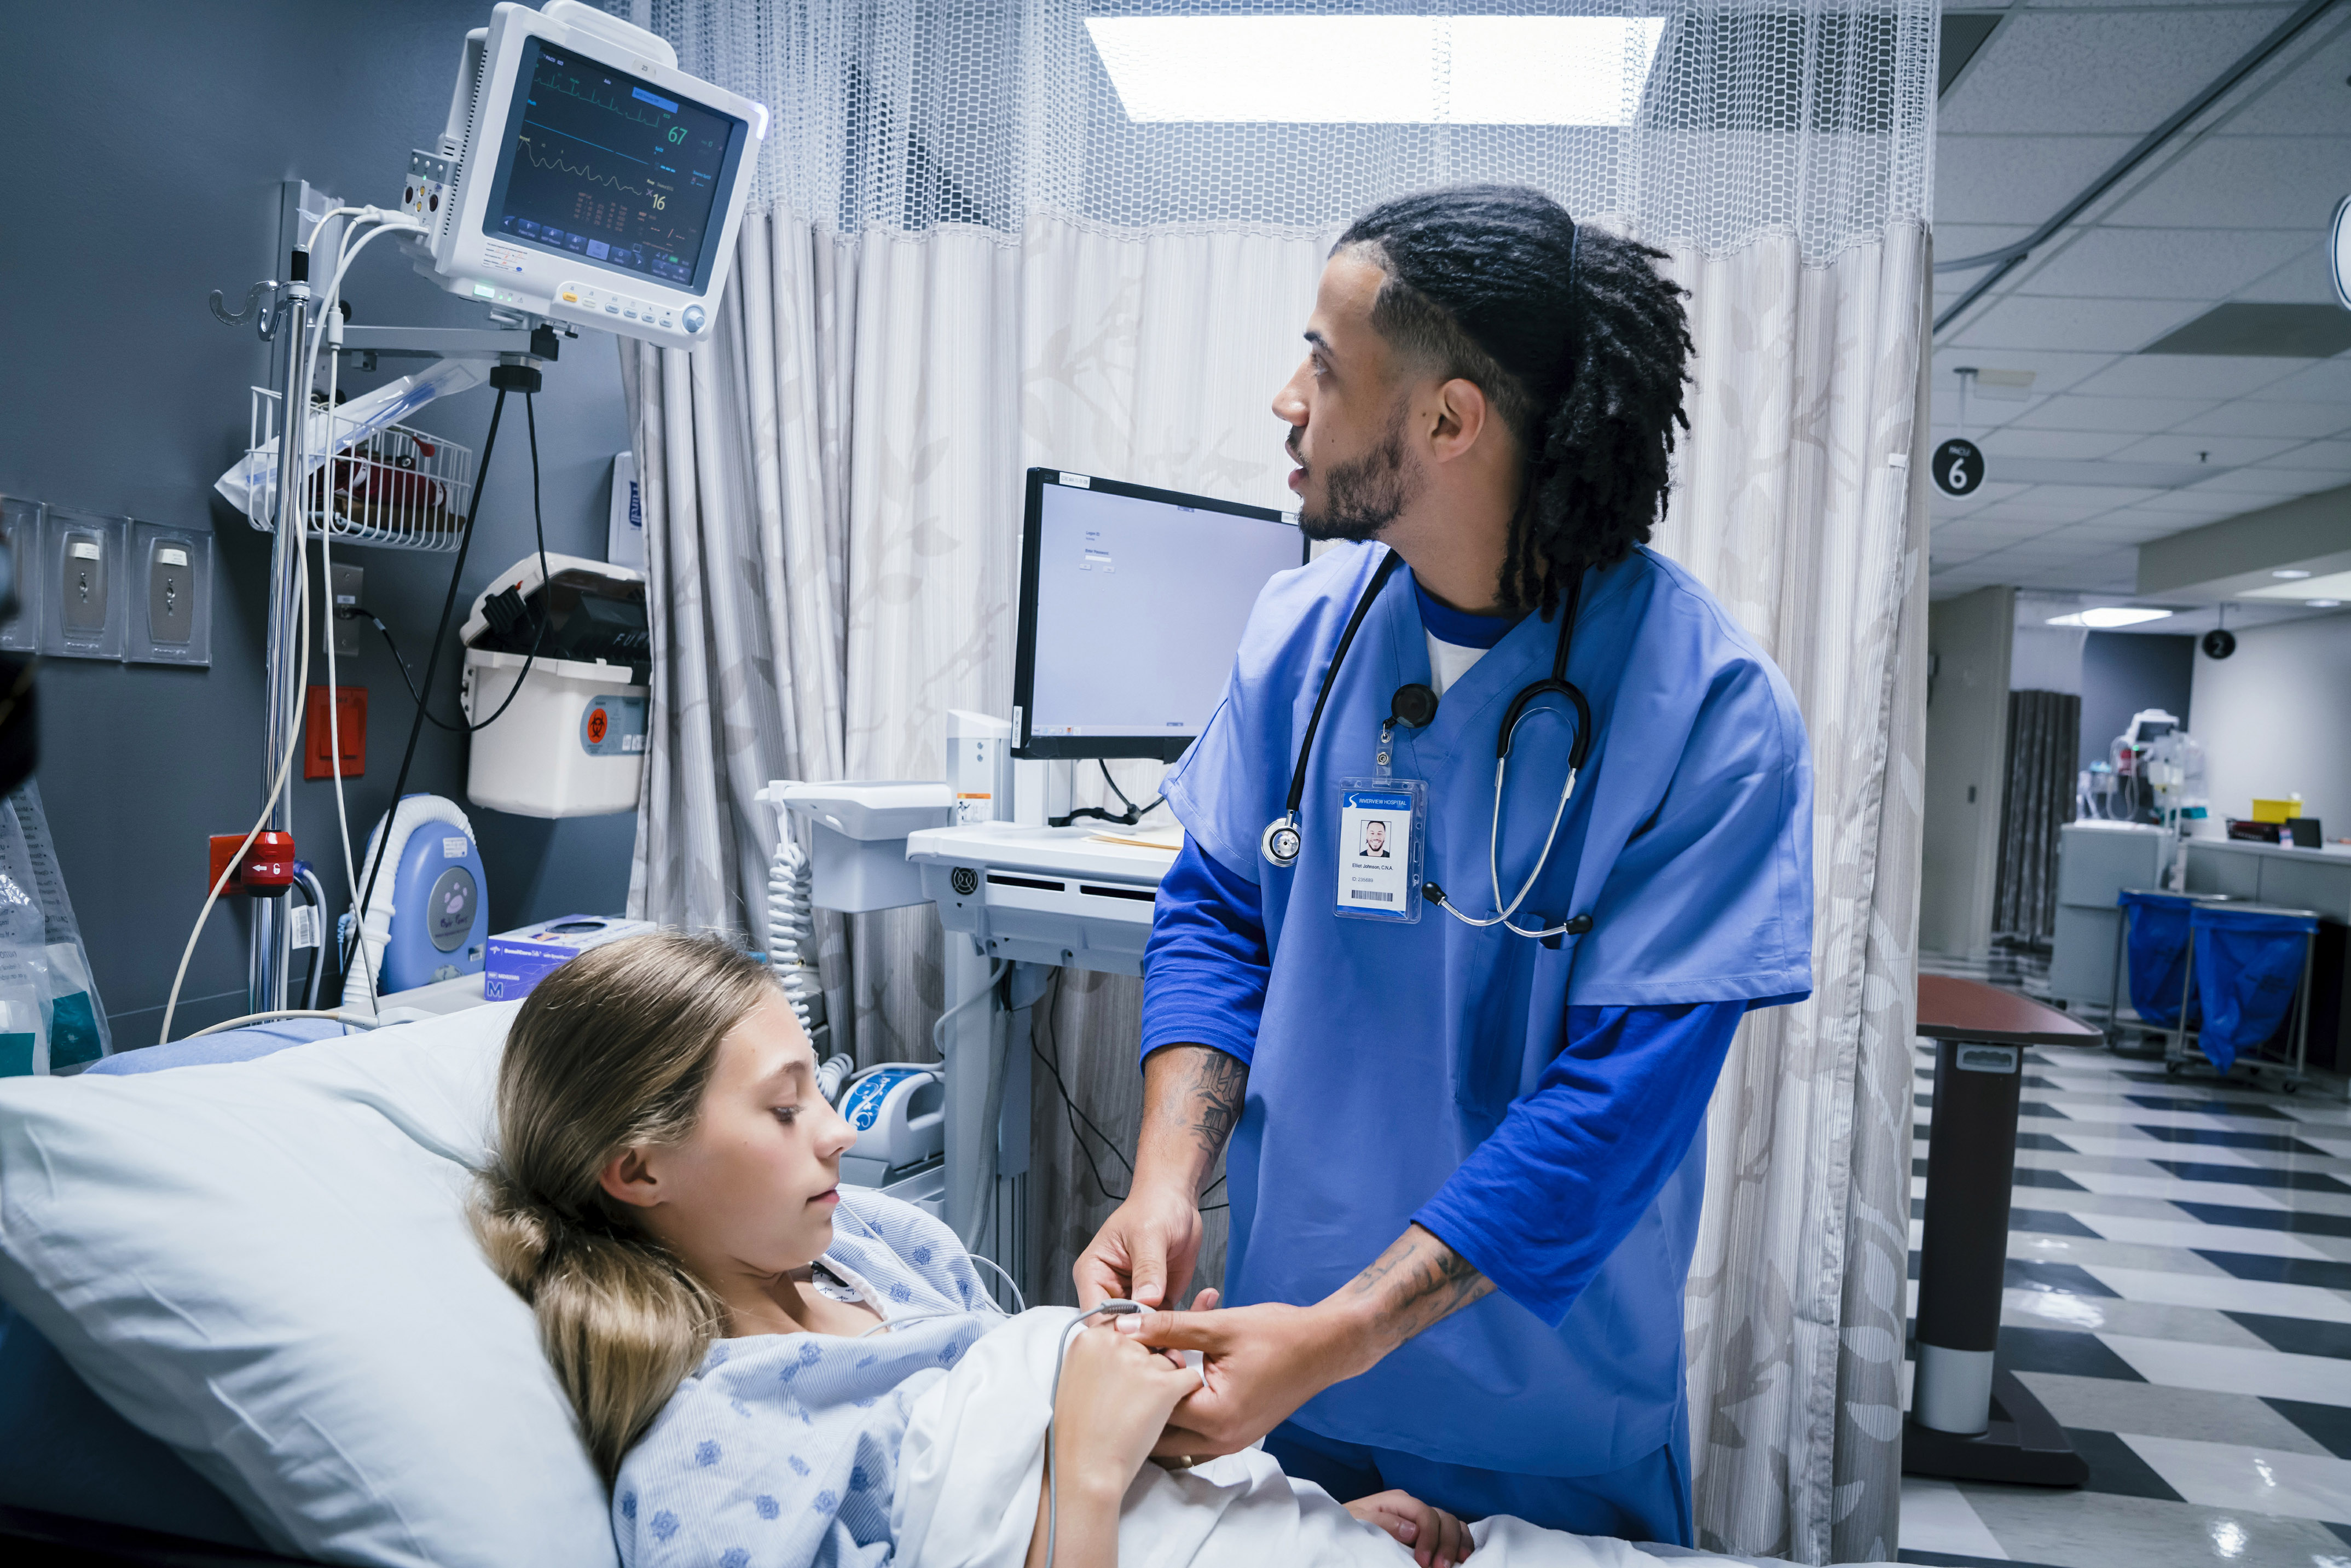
{"x":602,"y":164}
{"x":1131,"y":606}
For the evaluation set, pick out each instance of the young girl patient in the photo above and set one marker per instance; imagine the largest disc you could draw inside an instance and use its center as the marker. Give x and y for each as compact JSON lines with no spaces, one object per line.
{"x":743,"y":1356}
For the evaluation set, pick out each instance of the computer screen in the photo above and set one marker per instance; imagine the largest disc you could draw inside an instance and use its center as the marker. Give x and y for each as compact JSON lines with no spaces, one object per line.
{"x":602,"y":164}
{"x":1131,"y":606}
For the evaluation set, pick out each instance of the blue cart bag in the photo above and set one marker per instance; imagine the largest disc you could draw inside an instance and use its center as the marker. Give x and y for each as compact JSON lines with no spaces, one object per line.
{"x":2247,"y":964}
{"x":2156,"y":948}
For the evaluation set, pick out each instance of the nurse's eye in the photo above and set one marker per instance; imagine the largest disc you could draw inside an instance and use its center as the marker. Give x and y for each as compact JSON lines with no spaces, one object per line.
{"x":788,"y":1115}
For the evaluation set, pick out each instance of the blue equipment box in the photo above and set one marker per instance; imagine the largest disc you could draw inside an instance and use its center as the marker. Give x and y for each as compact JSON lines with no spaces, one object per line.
{"x":518,"y":960}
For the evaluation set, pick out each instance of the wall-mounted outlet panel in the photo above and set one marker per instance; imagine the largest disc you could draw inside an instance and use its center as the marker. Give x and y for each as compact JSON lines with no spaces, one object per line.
{"x":349,"y":589}
{"x":20,"y":535}
{"x":85,"y":589}
{"x":171,"y":591}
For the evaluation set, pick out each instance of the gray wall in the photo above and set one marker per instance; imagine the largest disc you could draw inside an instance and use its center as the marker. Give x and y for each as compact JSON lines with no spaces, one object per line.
{"x":1968,"y":642}
{"x":146,"y":149}
{"x":2275,"y":717}
{"x":2122,"y":673}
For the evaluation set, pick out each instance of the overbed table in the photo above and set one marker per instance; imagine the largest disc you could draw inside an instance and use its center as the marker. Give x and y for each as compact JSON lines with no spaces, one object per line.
{"x":1970,"y":1420}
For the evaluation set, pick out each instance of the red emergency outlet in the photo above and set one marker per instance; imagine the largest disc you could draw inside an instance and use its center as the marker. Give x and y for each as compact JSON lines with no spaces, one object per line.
{"x":318,"y":738}
{"x":267,"y":871}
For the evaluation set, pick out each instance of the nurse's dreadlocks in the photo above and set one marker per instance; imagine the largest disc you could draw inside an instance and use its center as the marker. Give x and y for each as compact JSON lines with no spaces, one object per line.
{"x":1587,"y":375}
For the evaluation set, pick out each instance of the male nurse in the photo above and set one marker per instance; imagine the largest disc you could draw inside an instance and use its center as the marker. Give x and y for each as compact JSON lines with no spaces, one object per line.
{"x":1466,"y":1155}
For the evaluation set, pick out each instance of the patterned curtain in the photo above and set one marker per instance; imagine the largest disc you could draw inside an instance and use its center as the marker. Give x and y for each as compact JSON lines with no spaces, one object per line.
{"x":969,"y":261}
{"x":2045,"y":742}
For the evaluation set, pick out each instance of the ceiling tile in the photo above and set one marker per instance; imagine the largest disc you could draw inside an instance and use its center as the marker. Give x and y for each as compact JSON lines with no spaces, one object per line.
{"x":2116,"y":325}
{"x":2329,"y":381}
{"x":2015,"y":180}
{"x":2097,"y":71}
{"x":2308,"y":97}
{"x":2323,"y":456}
{"x":2258,"y":482}
{"x":2303,"y":279}
{"x":2103,"y":497}
{"x":2121,"y":528}
{"x":2188,"y":508}
{"x":2229,"y":451}
{"x":2184,"y":376}
{"x":2133,"y":415}
{"x":2165,"y":264}
{"x":2244,"y":182}
{"x":2047,"y":507}
{"x":2269,"y":416}
{"x":2049,"y":443}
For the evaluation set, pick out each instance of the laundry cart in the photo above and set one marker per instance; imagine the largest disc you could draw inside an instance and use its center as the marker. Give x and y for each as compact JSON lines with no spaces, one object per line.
{"x":2149,"y":966}
{"x":2247,"y":972}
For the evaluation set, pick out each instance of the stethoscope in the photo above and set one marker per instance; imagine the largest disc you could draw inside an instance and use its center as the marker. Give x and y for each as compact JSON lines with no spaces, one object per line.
{"x":1415,"y":706}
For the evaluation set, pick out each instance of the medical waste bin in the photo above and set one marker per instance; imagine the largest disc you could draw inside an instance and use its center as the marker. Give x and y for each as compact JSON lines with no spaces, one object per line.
{"x":572,"y":697}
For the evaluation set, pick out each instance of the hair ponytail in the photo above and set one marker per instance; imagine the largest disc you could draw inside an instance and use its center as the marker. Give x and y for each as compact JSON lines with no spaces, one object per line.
{"x":611,"y":1051}
{"x":1601,"y":465}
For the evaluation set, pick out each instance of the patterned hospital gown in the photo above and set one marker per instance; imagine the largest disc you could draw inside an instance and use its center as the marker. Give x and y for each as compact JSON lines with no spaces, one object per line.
{"x":781,"y":1450}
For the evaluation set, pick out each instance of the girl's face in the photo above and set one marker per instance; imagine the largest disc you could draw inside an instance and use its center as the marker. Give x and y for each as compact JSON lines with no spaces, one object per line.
{"x":750,"y":1194}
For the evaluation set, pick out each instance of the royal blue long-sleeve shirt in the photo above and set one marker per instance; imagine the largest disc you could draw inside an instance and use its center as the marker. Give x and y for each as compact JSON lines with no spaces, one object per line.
{"x":1540,"y":1205}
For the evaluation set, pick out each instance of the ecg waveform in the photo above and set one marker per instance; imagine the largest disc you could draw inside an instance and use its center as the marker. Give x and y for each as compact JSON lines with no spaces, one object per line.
{"x":636,"y":112}
{"x":586,"y":172}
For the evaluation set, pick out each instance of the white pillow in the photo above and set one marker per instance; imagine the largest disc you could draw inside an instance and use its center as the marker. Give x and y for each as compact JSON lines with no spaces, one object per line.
{"x":266,"y":1265}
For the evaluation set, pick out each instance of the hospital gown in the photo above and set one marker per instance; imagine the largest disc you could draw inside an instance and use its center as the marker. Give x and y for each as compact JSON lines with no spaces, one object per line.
{"x":782,"y":1449}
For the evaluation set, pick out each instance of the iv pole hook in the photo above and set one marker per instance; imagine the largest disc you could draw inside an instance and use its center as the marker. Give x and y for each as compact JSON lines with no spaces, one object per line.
{"x":249,"y":309}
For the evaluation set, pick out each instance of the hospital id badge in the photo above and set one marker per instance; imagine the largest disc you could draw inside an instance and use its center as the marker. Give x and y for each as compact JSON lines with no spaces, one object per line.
{"x":1379,"y":849}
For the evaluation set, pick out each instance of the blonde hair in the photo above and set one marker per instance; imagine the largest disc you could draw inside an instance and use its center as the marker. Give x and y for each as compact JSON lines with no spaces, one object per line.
{"x":612,"y":1050}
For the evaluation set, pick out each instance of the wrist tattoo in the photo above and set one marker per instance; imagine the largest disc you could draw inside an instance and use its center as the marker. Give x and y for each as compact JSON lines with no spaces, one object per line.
{"x":1418,"y":1283}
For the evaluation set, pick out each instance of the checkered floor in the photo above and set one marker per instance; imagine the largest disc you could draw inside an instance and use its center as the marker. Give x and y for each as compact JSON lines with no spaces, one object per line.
{"x":2179,"y":1296}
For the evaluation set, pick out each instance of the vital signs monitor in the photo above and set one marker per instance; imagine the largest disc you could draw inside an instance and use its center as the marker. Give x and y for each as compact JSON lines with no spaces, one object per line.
{"x":584,"y":178}
{"x":1131,"y":606}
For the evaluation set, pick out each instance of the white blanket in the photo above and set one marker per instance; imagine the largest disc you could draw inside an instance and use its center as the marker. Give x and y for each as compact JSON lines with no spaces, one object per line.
{"x":974,"y":1458}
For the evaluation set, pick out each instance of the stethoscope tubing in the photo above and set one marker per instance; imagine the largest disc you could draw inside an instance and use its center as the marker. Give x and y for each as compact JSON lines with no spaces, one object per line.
{"x":1281,"y":841}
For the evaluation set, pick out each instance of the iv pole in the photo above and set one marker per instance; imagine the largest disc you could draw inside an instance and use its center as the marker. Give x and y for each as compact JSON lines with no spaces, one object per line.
{"x":271,"y":961}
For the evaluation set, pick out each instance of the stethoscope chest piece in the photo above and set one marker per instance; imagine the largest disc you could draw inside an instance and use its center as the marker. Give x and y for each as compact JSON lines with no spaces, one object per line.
{"x":1281,"y":841}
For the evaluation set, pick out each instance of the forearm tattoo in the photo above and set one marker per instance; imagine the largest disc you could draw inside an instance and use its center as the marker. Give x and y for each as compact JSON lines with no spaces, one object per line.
{"x":1418,"y":1283}
{"x":1215,"y":1086}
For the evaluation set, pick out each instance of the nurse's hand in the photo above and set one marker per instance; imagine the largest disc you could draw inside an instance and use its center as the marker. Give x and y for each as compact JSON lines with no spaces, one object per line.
{"x":1262,"y":1363}
{"x":1145,"y":1250}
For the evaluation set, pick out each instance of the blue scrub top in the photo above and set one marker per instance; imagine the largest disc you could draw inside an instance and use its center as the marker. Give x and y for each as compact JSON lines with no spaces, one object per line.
{"x":1386,"y":1056}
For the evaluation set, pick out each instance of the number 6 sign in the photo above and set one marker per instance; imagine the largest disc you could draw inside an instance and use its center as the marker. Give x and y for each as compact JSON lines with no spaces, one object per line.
{"x":1959,"y":467}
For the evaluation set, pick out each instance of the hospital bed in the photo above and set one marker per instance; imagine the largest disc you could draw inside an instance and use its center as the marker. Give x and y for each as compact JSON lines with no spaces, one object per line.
{"x":247,"y":1325}
{"x":81,"y":1484}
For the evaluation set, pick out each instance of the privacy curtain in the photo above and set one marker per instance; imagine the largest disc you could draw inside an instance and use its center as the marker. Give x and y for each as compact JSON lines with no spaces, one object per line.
{"x":968,"y":259}
{"x":2044,"y":743}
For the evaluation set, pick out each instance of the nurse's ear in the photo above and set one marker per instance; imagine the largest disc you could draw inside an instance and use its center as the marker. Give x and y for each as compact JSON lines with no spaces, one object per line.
{"x":1462,"y":416}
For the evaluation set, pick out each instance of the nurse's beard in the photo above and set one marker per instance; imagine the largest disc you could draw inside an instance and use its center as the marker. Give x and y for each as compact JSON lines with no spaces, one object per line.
{"x":1364,"y":495}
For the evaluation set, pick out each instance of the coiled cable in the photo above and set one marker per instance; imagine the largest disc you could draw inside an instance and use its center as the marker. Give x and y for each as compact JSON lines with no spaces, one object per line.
{"x":792,"y":922}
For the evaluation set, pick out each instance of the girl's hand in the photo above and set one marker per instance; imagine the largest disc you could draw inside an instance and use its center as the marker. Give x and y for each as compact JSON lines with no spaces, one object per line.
{"x":1116,"y":1396}
{"x":1435,"y":1538}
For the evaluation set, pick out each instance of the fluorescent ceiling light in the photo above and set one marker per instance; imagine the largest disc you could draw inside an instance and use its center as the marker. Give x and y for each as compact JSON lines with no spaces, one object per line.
{"x":2333,"y":585}
{"x":2289,"y":574}
{"x":2322,"y":604}
{"x":1392,"y":70}
{"x":2106,"y":617}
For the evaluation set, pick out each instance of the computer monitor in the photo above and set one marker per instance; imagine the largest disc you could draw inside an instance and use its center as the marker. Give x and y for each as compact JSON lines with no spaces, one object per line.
{"x":1132,"y":604}
{"x":583,"y":177}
